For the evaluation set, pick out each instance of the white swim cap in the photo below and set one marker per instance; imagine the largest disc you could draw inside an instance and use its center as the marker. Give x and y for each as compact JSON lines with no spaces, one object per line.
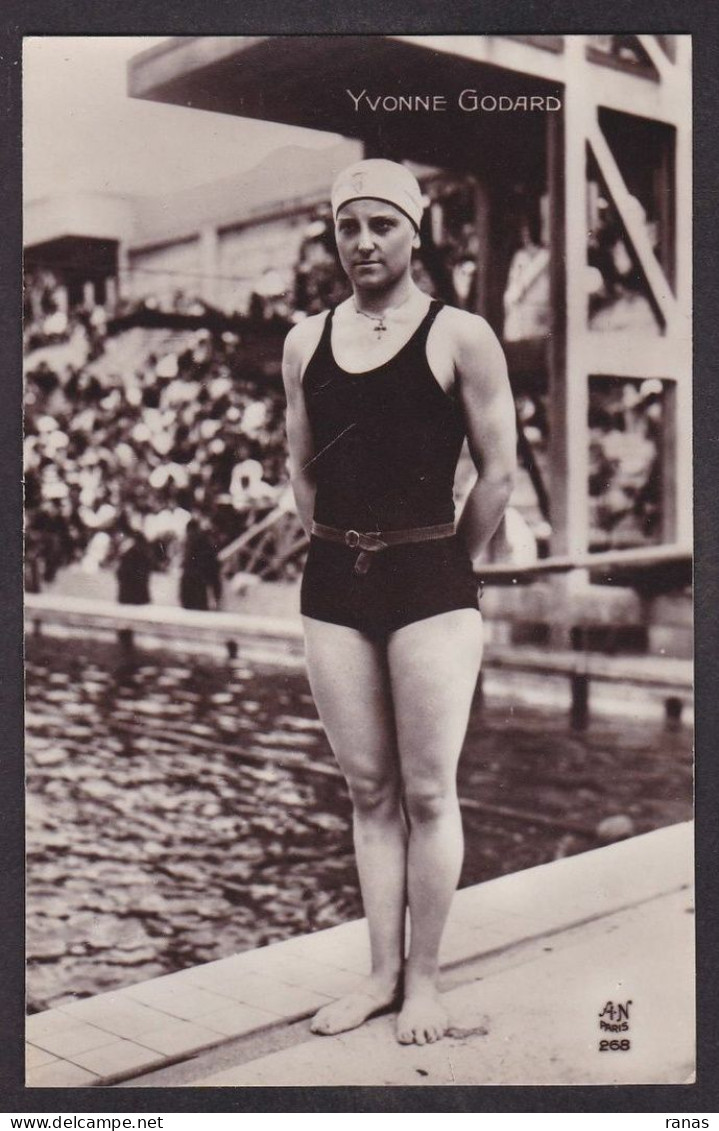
{"x":380,"y":180}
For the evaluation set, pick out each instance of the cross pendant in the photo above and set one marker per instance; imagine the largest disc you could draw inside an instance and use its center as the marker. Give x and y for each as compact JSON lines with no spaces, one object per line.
{"x":380,"y":329}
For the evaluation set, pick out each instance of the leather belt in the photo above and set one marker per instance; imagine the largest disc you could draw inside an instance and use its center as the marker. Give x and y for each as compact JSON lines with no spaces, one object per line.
{"x":371,"y":542}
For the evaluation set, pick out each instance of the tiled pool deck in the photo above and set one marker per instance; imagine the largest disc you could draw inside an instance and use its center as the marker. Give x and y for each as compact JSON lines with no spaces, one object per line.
{"x":528,"y":962}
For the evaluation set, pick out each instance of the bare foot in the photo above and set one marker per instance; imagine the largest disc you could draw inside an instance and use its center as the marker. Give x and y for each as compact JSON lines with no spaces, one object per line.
{"x":352,"y":1010}
{"x":422,"y":1019}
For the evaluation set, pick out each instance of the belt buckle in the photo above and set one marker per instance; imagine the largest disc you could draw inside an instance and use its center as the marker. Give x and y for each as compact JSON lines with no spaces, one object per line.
{"x":352,"y":539}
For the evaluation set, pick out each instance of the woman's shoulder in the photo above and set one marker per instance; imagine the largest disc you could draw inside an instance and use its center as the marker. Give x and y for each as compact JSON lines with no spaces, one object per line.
{"x":304,"y":337}
{"x":465,"y":329}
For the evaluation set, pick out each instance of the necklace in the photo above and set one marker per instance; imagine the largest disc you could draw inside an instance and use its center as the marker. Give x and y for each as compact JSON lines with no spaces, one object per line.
{"x":379,"y":323}
{"x":379,"y":319}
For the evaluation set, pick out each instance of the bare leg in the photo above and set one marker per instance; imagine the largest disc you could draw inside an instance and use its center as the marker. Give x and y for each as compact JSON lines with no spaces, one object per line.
{"x":433,"y":667}
{"x":350,"y":683}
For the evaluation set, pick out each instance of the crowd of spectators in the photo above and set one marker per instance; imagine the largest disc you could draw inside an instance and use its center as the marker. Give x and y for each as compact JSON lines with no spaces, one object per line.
{"x":113,"y":448}
{"x":121,"y":441}
{"x":144,"y":430}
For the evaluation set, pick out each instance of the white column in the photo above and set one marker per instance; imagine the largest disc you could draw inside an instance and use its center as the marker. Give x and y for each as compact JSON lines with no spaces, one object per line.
{"x":209,"y":263}
{"x":124,"y":281}
{"x":110,"y":294}
{"x":61,"y":298}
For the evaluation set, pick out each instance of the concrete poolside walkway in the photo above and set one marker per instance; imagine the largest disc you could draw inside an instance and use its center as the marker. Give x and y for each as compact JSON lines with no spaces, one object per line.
{"x":529,"y":962}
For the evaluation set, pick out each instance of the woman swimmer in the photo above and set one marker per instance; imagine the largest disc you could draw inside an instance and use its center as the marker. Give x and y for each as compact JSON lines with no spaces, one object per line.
{"x":381,"y":393}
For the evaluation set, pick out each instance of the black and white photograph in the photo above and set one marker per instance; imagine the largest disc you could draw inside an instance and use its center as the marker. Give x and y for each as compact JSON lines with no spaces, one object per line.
{"x":358,"y":560}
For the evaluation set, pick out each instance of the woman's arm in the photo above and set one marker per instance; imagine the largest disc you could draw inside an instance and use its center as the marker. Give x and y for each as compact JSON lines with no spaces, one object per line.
{"x":486,"y":398}
{"x":299,"y":435}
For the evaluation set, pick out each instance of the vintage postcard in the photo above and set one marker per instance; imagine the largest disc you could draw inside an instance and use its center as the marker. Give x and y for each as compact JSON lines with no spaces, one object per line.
{"x":359,"y":646}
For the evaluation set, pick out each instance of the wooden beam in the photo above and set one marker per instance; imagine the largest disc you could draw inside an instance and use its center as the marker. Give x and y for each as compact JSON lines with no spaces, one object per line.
{"x":646,"y":557}
{"x":615,"y":89}
{"x":628,"y":354}
{"x":181,"y":55}
{"x":636,"y":232}
{"x":658,"y":58}
{"x":683,"y":251}
{"x":668,"y":463}
{"x":496,"y":50}
{"x":684,"y":54}
{"x":569,"y":422}
{"x":482,"y":228}
{"x":557,"y":344}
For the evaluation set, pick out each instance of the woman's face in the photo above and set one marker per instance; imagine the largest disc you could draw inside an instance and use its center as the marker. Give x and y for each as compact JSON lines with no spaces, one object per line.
{"x":375,"y":242}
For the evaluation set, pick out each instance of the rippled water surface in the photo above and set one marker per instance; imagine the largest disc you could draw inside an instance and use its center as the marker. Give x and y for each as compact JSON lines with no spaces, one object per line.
{"x":182,"y":809}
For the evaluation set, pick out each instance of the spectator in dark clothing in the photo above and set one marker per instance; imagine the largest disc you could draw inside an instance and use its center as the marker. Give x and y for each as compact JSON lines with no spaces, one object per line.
{"x":200,"y":570}
{"x":50,"y":525}
{"x":134,"y":569}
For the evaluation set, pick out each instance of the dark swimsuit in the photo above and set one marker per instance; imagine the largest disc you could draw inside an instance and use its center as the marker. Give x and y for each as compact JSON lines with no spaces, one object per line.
{"x":386,"y":445}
